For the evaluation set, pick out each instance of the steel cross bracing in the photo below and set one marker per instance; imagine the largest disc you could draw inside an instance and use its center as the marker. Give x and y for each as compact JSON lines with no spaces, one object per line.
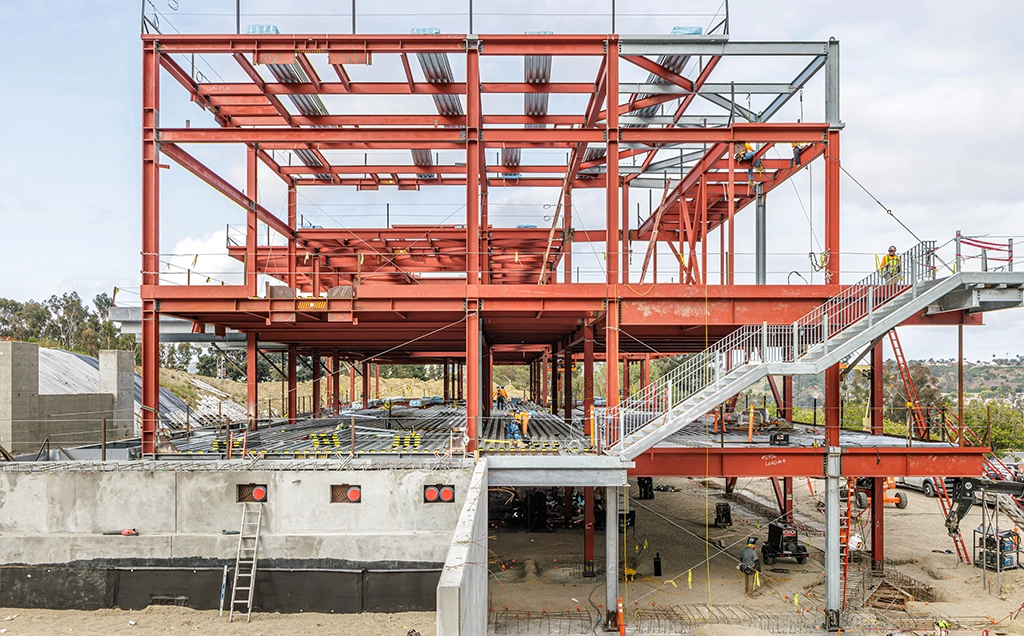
{"x":839,"y":328}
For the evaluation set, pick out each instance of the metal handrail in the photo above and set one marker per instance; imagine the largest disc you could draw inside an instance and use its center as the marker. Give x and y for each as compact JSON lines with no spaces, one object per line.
{"x":756,"y":344}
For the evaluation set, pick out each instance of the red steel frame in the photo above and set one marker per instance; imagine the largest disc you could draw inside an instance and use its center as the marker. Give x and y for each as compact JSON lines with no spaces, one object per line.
{"x":363,"y":293}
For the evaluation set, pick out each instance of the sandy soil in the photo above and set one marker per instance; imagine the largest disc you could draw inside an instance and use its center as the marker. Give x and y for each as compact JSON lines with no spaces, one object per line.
{"x":181,"y":620}
{"x":695,"y":573}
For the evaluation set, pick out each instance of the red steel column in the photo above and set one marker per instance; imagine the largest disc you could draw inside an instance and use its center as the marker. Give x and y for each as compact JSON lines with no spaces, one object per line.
{"x":626,"y":380}
{"x":473,"y":123}
{"x":292,"y":223}
{"x":787,"y":499}
{"x":787,"y":398}
{"x":832,"y":207}
{"x":252,"y":380}
{"x":447,"y":382}
{"x":351,"y":382}
{"x":588,"y":532}
{"x":878,"y":489}
{"x":612,"y":240}
{"x":567,"y":387}
{"x":728,"y":253}
{"x":336,"y":382}
{"x":366,"y":385}
{"x":832,"y":422}
{"x":376,"y":379}
{"x":554,"y":382}
{"x":251,"y":191}
{"x":473,"y":401}
{"x":588,"y":387}
{"x":544,"y":380}
{"x":625,"y":236}
{"x":567,"y":244}
{"x":461,"y":370}
{"x":150,"y":245}
{"x":293,"y":359}
{"x":315,"y":411}
{"x":645,"y":372}
{"x":487,"y":390}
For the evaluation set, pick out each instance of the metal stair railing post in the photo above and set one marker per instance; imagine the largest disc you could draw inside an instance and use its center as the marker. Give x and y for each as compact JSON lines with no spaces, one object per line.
{"x":838,"y":313}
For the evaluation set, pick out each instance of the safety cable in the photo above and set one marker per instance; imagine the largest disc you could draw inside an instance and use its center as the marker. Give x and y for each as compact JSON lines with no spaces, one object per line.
{"x":880,"y":204}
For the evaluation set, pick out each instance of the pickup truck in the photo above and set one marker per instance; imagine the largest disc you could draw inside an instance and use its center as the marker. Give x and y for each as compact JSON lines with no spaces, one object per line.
{"x":924,"y":484}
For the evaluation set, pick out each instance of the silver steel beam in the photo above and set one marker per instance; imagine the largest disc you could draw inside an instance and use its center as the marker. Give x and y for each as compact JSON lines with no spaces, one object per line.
{"x":699,"y":45}
{"x":833,"y":563}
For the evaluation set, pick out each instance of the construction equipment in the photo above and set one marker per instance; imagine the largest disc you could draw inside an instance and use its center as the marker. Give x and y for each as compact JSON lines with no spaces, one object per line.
{"x":863,"y":492}
{"x":782,"y":543}
{"x":248,"y":543}
{"x":964,"y":493}
{"x":723,"y":514}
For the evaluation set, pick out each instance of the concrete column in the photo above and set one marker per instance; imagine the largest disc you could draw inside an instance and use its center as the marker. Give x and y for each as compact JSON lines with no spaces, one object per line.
{"x":252,"y":382}
{"x":293,"y":384}
{"x":588,"y":532}
{"x":611,"y":554}
{"x":315,"y":410}
{"x":117,"y":377}
{"x":833,"y":565}
{"x":19,"y":395}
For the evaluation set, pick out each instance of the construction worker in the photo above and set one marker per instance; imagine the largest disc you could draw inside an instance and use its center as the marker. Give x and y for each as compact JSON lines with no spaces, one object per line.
{"x":512,"y":431}
{"x":745,"y":152}
{"x":750,"y":565}
{"x":890,"y":267}
{"x":523,"y":417}
{"x":503,"y":396}
{"x":942,"y":627}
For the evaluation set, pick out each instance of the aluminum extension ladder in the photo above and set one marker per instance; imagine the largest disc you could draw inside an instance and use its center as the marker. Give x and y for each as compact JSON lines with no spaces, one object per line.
{"x":248,"y":543}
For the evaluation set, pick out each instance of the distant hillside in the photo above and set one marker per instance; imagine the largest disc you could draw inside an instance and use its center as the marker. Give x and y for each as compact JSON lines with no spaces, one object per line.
{"x":1006,"y":378}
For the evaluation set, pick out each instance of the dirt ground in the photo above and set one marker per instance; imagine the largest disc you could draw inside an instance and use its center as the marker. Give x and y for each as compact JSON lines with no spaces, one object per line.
{"x":537,"y":575}
{"x":182,"y":620}
{"x":541,"y":569}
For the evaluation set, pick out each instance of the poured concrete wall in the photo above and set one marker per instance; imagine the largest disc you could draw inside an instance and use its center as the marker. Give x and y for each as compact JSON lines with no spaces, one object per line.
{"x":60,"y":517}
{"x":462,"y":590}
{"x":28,"y":417}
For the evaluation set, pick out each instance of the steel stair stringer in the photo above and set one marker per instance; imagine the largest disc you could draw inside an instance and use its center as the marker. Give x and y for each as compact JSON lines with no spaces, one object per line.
{"x":814,"y":360}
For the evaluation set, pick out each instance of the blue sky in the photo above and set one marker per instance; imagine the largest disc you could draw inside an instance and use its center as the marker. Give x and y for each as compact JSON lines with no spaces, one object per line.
{"x":931,"y":97}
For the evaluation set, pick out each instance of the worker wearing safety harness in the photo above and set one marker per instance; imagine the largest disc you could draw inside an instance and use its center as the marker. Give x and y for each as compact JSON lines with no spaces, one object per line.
{"x":889,"y":267}
{"x":750,"y":565}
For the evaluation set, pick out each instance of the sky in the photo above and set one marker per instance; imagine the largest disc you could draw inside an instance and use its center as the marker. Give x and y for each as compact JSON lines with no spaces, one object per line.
{"x":931,"y":98}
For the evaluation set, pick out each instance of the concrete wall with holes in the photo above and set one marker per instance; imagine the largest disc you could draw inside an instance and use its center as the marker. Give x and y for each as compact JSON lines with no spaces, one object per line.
{"x":462,"y":590}
{"x":28,"y":417}
{"x":61,"y":517}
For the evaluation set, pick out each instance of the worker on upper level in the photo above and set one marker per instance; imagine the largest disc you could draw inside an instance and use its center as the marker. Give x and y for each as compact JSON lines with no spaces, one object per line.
{"x":744,"y":152}
{"x":890,"y":267}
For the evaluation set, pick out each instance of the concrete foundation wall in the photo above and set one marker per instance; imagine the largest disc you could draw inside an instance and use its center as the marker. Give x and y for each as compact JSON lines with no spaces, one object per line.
{"x":71,"y":419}
{"x":462,"y":590}
{"x":60,"y":517}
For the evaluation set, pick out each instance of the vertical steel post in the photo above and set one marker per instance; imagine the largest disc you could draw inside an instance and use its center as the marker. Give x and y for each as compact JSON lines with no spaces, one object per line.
{"x":624,"y":230}
{"x":252,"y":380}
{"x":473,"y":132}
{"x":366,"y":384}
{"x":833,"y":564}
{"x":251,"y":224}
{"x":150,"y":245}
{"x":588,"y":381}
{"x":567,"y":239}
{"x":761,"y":237}
{"x":611,"y":553}
{"x":567,"y":397}
{"x":473,"y":397}
{"x":293,"y":383}
{"x":832,"y":175}
{"x":588,"y":532}
{"x":611,"y":246}
{"x":336,"y":383}
{"x":315,"y":409}
{"x":292,"y":276}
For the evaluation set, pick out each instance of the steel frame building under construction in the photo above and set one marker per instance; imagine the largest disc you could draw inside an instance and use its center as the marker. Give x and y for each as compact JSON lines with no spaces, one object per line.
{"x":470,"y":295}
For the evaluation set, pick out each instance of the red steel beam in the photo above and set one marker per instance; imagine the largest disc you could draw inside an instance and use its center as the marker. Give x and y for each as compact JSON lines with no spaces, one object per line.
{"x":806,"y":462}
{"x":193,"y":165}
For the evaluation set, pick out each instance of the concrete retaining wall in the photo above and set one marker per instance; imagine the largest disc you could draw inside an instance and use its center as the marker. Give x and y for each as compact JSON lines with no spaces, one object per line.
{"x":60,"y":517}
{"x":462,"y":590}
{"x":26,"y":416}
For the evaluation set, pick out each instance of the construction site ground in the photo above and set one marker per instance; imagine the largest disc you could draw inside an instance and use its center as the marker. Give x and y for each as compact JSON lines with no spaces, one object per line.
{"x":541,"y":570}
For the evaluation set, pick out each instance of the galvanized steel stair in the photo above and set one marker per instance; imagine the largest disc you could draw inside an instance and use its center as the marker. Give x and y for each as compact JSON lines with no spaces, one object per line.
{"x":843,"y":325}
